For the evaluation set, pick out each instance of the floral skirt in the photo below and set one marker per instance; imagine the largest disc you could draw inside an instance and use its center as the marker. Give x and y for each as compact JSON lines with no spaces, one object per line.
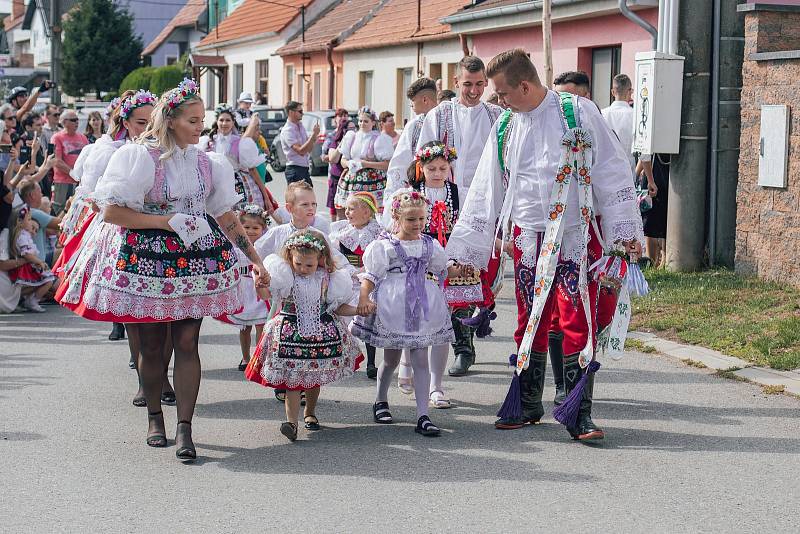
{"x":286,"y":360}
{"x":145,"y":276}
{"x":247,"y":188}
{"x":370,"y":180}
{"x":30,"y":275}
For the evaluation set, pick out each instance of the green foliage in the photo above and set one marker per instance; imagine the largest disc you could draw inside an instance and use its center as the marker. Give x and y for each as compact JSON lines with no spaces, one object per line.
{"x":165,"y":78}
{"x":137,"y":79}
{"x":100,"y":47}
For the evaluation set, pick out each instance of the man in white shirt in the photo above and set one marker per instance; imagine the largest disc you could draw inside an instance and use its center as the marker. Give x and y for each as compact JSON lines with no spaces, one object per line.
{"x":464,"y":123}
{"x":619,"y":115}
{"x":422,"y":94}
{"x":526,"y":178}
{"x":297,"y":144}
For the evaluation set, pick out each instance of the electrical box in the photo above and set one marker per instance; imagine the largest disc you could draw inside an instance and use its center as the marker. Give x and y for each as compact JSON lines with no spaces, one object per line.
{"x":773,"y":146}
{"x":657,"y":95}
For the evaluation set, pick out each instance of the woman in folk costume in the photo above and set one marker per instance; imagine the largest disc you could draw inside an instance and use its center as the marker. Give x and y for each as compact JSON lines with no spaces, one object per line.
{"x":243,"y":154}
{"x":164,"y":260}
{"x":365,"y":156}
{"x":548,"y":169}
{"x":352,"y":236}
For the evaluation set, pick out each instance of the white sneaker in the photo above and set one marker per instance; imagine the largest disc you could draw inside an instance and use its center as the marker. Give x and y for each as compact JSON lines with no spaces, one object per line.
{"x":32,"y":304}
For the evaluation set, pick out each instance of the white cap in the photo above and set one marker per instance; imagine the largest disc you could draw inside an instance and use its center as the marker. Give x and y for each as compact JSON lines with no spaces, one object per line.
{"x":246,"y":97}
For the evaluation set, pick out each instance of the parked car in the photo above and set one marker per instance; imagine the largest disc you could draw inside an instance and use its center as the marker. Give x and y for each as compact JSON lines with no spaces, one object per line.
{"x":272,"y":120}
{"x":325,"y":120}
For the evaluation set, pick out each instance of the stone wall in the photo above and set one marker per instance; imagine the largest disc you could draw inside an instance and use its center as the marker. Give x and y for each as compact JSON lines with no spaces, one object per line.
{"x":768,"y":219}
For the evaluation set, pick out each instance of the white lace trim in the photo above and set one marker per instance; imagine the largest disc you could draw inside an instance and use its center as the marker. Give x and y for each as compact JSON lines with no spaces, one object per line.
{"x":352,"y":238}
{"x":627,"y":230}
{"x":526,"y":243}
{"x":307,"y":292}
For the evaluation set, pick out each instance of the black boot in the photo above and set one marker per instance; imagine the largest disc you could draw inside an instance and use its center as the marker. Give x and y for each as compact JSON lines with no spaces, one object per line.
{"x":584,"y":428}
{"x":463,"y":346}
{"x":556,"y":350}
{"x":117,"y":332}
{"x":531,"y":385}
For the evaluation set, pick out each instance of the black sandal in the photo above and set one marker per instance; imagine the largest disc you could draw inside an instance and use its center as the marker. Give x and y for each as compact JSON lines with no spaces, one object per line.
{"x":139,"y":401}
{"x":381,"y":413}
{"x":426,"y":427}
{"x":168,"y":398}
{"x":156,"y":439}
{"x":302,"y":398}
{"x":280,"y":394}
{"x":187,"y":453}
{"x":289,"y":430}
{"x":313,"y":424}
{"x":243,"y":365}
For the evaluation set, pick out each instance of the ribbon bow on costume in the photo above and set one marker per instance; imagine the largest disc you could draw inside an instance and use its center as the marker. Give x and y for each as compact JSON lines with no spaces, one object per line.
{"x":439,"y":221}
{"x":416,"y":296}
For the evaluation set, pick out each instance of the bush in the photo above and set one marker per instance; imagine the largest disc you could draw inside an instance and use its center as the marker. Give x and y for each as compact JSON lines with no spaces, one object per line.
{"x":165,"y":78}
{"x":137,"y":79}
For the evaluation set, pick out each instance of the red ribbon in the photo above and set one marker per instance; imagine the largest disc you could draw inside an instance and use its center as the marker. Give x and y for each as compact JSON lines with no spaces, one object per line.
{"x":439,"y":221}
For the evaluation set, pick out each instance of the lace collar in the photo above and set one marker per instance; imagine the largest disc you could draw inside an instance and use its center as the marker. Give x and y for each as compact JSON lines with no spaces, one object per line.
{"x":353,"y":238}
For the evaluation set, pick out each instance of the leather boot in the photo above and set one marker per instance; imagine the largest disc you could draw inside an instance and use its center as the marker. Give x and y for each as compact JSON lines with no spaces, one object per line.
{"x":463,"y":346}
{"x":556,"y":350}
{"x":117,"y":332}
{"x":531,"y":385}
{"x":584,"y":428}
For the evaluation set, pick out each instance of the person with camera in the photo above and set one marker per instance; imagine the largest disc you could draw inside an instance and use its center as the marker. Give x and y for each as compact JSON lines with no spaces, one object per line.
{"x":68,"y":144}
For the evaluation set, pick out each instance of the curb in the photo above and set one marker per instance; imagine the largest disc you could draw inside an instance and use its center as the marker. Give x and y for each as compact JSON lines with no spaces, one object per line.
{"x":781,"y":381}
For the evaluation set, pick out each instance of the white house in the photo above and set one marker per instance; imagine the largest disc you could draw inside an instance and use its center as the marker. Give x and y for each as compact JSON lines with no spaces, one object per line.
{"x":239,"y":53}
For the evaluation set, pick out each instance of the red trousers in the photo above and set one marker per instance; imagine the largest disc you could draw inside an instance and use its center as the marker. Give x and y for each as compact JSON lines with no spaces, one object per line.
{"x":563,"y":311}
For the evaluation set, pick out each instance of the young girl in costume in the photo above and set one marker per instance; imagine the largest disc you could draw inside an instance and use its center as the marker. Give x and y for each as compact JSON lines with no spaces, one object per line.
{"x":352,"y":236}
{"x":405,"y":309}
{"x":305,"y":346}
{"x":255,"y":311}
{"x":35,"y":273}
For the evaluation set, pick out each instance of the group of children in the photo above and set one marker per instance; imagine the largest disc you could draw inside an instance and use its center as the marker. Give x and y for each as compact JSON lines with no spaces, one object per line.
{"x":355,"y":279}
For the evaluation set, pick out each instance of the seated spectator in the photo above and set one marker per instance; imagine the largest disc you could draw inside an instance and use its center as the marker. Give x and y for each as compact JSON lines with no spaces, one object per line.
{"x":9,"y":292}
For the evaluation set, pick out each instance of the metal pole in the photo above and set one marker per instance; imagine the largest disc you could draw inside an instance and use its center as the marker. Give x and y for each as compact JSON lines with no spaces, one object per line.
{"x":303,"y":22}
{"x":55,"y":51}
{"x":547,"y":37}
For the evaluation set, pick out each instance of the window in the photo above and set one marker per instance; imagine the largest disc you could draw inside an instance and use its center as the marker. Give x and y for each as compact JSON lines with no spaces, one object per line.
{"x":403,"y":105}
{"x":262,"y":77}
{"x":435,"y":71}
{"x":238,"y":80}
{"x":317,"y":90}
{"x":365,"y":88}
{"x":289,"y":82}
{"x":302,"y":89}
{"x":605,"y":65}
{"x":171,"y":60}
{"x":452,"y":72}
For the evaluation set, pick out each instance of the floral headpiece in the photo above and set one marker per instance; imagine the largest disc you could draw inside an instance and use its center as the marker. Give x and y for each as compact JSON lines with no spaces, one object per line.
{"x":185,"y":90}
{"x":255,"y":211}
{"x":428,"y":153}
{"x":368,"y":111}
{"x":305,"y":240}
{"x":407,"y":195}
{"x":139,"y":99}
{"x":222,"y":108}
{"x":111,"y":107}
{"x":367,"y":198}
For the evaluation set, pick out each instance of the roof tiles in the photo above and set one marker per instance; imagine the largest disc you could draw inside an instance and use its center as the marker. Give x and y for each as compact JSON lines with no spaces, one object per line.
{"x":254,"y":17}
{"x":187,"y":16}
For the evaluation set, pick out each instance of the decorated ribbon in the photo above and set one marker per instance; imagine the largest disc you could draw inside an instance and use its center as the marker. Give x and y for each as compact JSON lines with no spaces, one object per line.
{"x":439,"y":221}
{"x":416,"y":269}
{"x":576,"y":162}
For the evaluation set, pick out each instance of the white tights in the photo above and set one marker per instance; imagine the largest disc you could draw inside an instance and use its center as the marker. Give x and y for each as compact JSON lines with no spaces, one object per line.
{"x":437,"y":363}
{"x":422,"y":376}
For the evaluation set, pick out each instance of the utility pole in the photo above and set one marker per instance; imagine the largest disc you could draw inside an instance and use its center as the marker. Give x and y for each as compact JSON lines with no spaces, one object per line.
{"x":55,"y":51}
{"x":686,"y":213}
{"x":547,"y":37}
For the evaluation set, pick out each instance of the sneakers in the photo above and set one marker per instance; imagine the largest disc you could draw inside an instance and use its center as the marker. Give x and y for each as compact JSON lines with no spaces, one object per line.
{"x":31,"y":303}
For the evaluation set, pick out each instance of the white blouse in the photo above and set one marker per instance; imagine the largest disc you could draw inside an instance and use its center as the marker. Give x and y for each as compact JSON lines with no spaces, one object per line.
{"x":356,"y":146}
{"x":96,"y":162}
{"x":283,"y":282}
{"x":381,"y":256}
{"x":248,"y":156}
{"x":273,"y":240}
{"x":351,"y":237}
{"x":131,"y":176}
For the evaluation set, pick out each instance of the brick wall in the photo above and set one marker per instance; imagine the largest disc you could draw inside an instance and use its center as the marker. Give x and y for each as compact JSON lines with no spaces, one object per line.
{"x":768,"y":219}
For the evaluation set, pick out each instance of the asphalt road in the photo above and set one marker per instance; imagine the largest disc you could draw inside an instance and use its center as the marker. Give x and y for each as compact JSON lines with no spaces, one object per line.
{"x":686,"y":451}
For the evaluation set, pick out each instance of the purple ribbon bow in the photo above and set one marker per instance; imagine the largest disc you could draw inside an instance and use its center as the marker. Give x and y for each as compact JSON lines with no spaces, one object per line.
{"x":416,"y":269}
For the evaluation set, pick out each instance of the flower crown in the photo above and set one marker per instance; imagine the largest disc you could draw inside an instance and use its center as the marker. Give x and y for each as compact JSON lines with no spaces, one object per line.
{"x":429,"y":153}
{"x":185,"y":90}
{"x":139,"y":99}
{"x":305,"y":240}
{"x":367,"y":110}
{"x":407,"y":195}
{"x":222,"y":108}
{"x":255,"y":211}
{"x":111,"y":107}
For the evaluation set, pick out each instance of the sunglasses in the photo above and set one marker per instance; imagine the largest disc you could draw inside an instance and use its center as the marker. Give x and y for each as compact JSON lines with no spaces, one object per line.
{"x":10,"y":118}
{"x":72,"y":120}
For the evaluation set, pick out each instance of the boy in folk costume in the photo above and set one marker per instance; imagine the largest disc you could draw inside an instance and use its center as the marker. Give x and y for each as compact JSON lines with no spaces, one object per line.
{"x":547,"y":170}
{"x":464,"y":123}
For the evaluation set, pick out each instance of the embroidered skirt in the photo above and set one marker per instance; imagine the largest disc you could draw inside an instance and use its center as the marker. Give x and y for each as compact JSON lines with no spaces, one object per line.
{"x":371,"y":180}
{"x":284,"y":359}
{"x":145,"y":276}
{"x":248,"y":189}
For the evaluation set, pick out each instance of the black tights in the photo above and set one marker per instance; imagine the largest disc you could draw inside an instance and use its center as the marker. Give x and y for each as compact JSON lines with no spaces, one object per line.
{"x":185,"y":336}
{"x":135,"y":346}
{"x":370,"y":355}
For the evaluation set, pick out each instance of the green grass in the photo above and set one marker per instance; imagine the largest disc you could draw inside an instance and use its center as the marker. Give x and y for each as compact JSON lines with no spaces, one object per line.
{"x":744,"y":317}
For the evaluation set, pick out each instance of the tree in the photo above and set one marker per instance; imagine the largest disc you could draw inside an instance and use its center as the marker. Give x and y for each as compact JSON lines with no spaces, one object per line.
{"x":137,"y":79}
{"x":100,"y":47}
{"x":166,"y":78}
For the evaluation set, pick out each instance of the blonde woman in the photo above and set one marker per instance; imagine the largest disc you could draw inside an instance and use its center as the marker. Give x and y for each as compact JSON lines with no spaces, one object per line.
{"x":167,"y":261}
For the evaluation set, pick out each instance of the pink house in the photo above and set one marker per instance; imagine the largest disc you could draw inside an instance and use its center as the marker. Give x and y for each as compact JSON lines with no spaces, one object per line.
{"x":588,"y":35}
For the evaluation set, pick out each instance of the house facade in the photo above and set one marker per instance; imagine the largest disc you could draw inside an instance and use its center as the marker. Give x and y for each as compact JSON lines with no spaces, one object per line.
{"x":184,"y":31}
{"x":245,"y":43}
{"x":588,"y":35}
{"x":403,"y":41}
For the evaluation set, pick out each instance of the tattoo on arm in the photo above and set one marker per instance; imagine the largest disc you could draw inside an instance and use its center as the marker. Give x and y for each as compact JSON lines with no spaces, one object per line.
{"x":231,"y":227}
{"x":242,"y":242}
